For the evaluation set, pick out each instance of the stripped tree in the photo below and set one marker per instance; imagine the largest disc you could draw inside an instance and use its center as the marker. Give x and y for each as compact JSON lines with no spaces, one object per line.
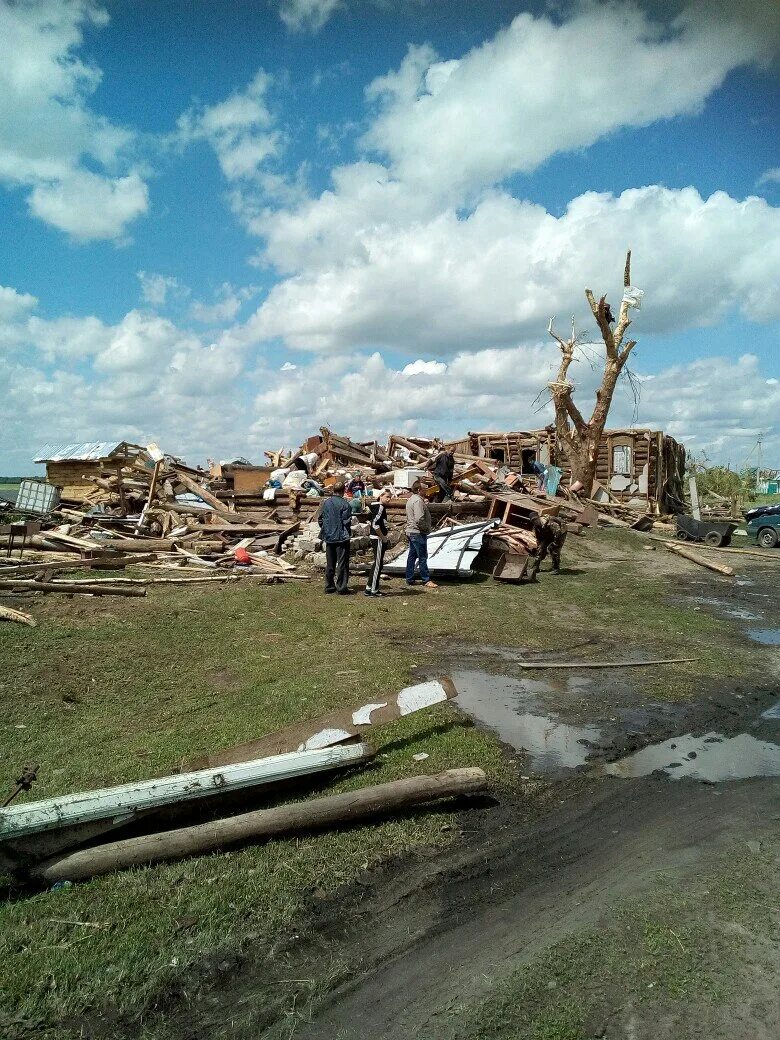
{"x":579,"y":439}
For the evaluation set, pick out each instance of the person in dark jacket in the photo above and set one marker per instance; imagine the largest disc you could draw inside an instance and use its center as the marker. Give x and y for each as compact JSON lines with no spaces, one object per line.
{"x":335,"y":519}
{"x":442,"y":470}
{"x":379,"y":539}
{"x":550,"y":535}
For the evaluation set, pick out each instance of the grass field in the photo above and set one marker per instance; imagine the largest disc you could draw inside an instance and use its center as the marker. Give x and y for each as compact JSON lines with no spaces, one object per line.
{"x":109,"y":691}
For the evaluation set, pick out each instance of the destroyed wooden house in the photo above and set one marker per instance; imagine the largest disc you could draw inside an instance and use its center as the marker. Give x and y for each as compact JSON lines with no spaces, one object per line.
{"x":74,"y":468}
{"x":644,"y":468}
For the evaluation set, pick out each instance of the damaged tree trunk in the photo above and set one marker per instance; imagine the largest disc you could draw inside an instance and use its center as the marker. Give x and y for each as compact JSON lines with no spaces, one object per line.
{"x":579,"y":439}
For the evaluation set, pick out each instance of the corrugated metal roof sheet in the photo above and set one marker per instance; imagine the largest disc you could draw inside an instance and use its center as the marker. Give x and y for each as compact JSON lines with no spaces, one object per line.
{"x":78,"y":452}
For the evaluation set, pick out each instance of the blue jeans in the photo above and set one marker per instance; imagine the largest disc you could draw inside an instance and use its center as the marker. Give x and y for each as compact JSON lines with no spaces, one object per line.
{"x":418,"y":554}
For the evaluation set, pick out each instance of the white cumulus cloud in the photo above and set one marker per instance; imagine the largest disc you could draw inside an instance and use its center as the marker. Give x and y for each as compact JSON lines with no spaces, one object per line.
{"x":307,"y":14}
{"x":494,"y":276}
{"x":155,"y":288}
{"x":14,"y":304}
{"x":73,"y":162}
{"x":239,"y":129}
{"x":424,"y":368}
{"x":540,"y":87}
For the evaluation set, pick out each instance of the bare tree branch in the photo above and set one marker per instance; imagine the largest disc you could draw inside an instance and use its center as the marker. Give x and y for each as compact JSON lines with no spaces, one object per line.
{"x":579,"y":438}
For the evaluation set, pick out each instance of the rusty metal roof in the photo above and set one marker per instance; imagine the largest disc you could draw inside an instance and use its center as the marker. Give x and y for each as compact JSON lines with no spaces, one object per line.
{"x":78,"y":452}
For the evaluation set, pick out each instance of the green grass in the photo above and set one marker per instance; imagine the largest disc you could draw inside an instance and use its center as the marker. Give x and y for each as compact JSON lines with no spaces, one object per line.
{"x":110,"y":691}
{"x":684,"y":944}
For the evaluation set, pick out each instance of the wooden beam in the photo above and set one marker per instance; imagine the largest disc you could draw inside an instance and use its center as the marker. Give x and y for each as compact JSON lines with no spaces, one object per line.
{"x":68,"y":587}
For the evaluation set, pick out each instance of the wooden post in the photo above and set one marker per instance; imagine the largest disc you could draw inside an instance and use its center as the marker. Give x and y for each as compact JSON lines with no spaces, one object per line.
{"x":317,"y":814}
{"x":695,"y":510}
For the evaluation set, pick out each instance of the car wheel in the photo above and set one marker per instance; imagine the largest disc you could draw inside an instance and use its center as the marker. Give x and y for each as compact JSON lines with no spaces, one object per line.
{"x":681,"y":536}
{"x":767,"y":538}
{"x":714,"y":538}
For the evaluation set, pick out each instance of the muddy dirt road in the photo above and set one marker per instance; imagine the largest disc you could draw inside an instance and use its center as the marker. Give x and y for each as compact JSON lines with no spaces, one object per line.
{"x":621,"y":789}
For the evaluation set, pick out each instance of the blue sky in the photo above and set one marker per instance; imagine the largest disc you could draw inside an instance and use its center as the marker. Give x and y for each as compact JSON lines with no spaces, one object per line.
{"x":229,"y":223}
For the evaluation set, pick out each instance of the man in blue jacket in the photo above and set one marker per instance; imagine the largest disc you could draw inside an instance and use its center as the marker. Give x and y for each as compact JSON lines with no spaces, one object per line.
{"x":335,"y":520}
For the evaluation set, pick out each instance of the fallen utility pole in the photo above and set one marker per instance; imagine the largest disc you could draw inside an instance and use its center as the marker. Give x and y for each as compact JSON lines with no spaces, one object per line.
{"x":339,"y":809}
{"x":688,"y":555}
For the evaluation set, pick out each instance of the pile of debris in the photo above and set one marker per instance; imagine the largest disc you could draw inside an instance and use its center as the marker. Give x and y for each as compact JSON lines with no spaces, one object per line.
{"x":136,"y":506}
{"x":107,"y":505}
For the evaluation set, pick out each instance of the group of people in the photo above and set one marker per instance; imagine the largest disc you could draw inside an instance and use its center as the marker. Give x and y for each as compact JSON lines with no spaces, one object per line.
{"x":335,"y":520}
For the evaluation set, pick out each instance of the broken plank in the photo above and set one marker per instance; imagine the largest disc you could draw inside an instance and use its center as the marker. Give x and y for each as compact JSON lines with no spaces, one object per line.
{"x":604,"y":664}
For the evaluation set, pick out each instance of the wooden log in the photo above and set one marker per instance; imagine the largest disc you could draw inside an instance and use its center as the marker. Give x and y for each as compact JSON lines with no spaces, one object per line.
{"x":69,"y":587}
{"x":101,"y":563}
{"x":602,"y":664}
{"x":206,"y":496}
{"x":688,"y":555}
{"x":317,"y":814}
{"x":733,"y":549}
{"x":9,"y":614}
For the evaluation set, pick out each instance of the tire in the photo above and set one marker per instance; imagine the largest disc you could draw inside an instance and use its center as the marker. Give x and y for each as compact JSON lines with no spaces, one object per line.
{"x":714,"y":538}
{"x":681,"y":536}
{"x":767,"y":538}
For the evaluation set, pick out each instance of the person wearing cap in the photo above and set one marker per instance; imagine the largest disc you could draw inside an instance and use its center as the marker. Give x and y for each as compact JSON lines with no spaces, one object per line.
{"x":418,"y":527}
{"x":442,"y":469}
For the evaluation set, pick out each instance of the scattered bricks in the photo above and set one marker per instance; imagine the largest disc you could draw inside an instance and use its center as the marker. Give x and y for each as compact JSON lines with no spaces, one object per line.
{"x":306,"y":545}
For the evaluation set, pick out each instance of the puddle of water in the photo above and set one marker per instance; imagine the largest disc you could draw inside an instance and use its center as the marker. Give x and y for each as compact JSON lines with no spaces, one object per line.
{"x":711,"y":757}
{"x":501,"y":704}
{"x":772,"y":713}
{"x":739,"y":613}
{"x":768,"y":636}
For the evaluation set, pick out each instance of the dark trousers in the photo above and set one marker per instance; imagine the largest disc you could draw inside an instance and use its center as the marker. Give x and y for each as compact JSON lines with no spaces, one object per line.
{"x":554,"y":548}
{"x":445,"y":490}
{"x":372,"y":585}
{"x":337,"y":565}
{"x":418,"y":554}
